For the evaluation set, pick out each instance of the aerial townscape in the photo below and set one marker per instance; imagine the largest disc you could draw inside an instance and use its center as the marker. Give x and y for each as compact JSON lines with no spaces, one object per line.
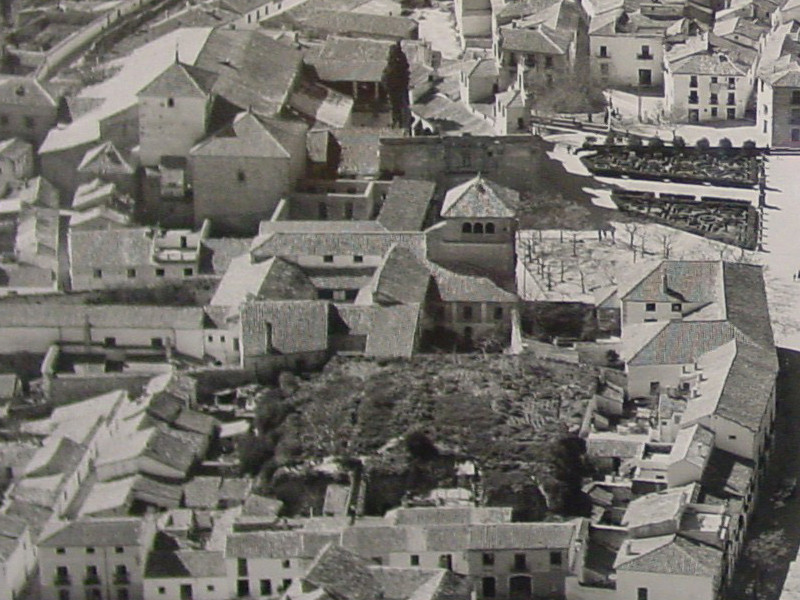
{"x":399,"y":299}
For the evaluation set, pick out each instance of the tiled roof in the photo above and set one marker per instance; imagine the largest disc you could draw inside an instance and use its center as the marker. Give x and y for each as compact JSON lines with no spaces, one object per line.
{"x":541,"y":40}
{"x":683,"y":342}
{"x":480,"y":197}
{"x":52,"y":313}
{"x":342,"y":574}
{"x":746,"y":302}
{"x":483,"y":67}
{"x":254,"y":70}
{"x":601,"y":447}
{"x":686,"y":281}
{"x":678,"y":557}
{"x":56,"y":457}
{"x":202,"y":492}
{"x":11,"y":529}
{"x":264,"y":544}
{"x":403,"y":583}
{"x":195,"y":421}
{"x":170,"y":450}
{"x":393,"y":330}
{"x":296,"y":326}
{"x":350,"y":59}
{"x":34,"y":515}
{"x":157,"y":493}
{"x":112,"y":248}
{"x":360,"y":150}
{"x":180,"y":81}
{"x":194,"y":564}
{"x":257,"y":505}
{"x":518,"y":10}
{"x":272,"y":279}
{"x":693,"y":444}
{"x":451,"y":515}
{"x":251,"y":136}
{"x":341,"y":22}
{"x":749,"y":387}
{"x":24,"y":91}
{"x":369,"y":541}
{"x":337,"y":244}
{"x":455,"y":287}
{"x":658,"y":507}
{"x":96,"y":532}
{"x":322,"y":105}
{"x":407,"y":204}
{"x":224,"y":250}
{"x":727,"y":475}
{"x":235,"y":488}
{"x":522,"y":535}
{"x":106,"y":496}
{"x":401,"y":279}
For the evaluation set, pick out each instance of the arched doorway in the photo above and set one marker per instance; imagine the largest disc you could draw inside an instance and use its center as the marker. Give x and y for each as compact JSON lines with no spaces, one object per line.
{"x":519,"y":587}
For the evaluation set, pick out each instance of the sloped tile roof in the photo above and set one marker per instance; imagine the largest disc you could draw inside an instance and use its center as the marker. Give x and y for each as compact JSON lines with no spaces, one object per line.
{"x":683,"y":342}
{"x":273,"y":279}
{"x":456,"y":287}
{"x":342,"y":574}
{"x":401,"y":279}
{"x":726,"y":474}
{"x":480,"y":197}
{"x":541,"y":40}
{"x":508,"y":536}
{"x":393,"y":330}
{"x":450,"y":515}
{"x":686,"y":281}
{"x":62,"y":457}
{"x":194,"y":564}
{"x":350,"y":59}
{"x":56,"y":314}
{"x":24,"y":91}
{"x":96,"y":532}
{"x":113,"y":248}
{"x":321,"y":104}
{"x":337,"y":244}
{"x":746,"y":303}
{"x":170,"y":450}
{"x":157,"y":493}
{"x":105,"y":159}
{"x":202,"y":492}
{"x":374,"y":541}
{"x":340,"y":22}
{"x":679,"y":557}
{"x":407,"y":204}
{"x":749,"y":386}
{"x":264,"y":544}
{"x":180,"y":81}
{"x":296,"y":326}
{"x":251,"y":136}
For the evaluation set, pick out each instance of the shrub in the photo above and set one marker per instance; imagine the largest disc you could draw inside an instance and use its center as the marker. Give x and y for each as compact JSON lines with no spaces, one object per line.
{"x":420,"y":446}
{"x":679,"y":142}
{"x":634,"y":141}
{"x":726,"y":146}
{"x":749,"y":148}
{"x":611,"y":139}
{"x":703,"y":144}
{"x":656,"y":142}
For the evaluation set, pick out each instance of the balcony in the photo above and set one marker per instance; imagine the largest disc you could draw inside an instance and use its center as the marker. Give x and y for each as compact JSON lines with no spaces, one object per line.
{"x":644,"y":56}
{"x":603,"y":55}
{"x":62,"y":580}
{"x":91,"y":580}
{"x":694,"y":100}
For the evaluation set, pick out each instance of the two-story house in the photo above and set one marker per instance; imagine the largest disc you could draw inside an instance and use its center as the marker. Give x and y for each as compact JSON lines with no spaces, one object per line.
{"x":95,"y":558}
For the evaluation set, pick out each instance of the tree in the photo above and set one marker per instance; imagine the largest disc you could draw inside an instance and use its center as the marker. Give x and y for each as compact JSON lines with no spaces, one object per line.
{"x":632,"y":229}
{"x":634,"y":141}
{"x":726,"y":146}
{"x":656,"y":142}
{"x":667,"y":239}
{"x":253,"y":451}
{"x":569,"y":469}
{"x":679,"y":142}
{"x":420,"y":446}
{"x":702,"y":144}
{"x":396,"y":78}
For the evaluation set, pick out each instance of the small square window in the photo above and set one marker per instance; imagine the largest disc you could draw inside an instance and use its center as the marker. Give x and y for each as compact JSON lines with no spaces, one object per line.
{"x":241,"y":177}
{"x":131,"y":273}
{"x":162,"y":590}
{"x":222,"y":339}
{"x":328,"y":258}
{"x":415,"y":560}
{"x":29,"y":122}
{"x":209,"y":588}
{"x":555,"y":559}
{"x":287,"y":564}
{"x":498,"y":313}
{"x":488,"y":558}
{"x":714,"y":80}
{"x":61,"y":550}
{"x":97,"y":273}
{"x":3,"y":119}
{"x":650,"y":307}
{"x":90,"y":550}
{"x":188,"y":272}
{"x":358,"y":258}
{"x":677,"y":307}
{"x":119,"y":550}
{"x":171,"y":102}
{"x":160,"y":272}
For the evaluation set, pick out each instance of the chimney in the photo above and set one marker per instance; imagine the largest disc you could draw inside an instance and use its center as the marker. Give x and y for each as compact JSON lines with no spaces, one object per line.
{"x":664,"y":282}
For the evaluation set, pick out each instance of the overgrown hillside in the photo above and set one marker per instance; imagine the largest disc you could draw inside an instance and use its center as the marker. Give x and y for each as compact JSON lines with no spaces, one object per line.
{"x":510,"y":414}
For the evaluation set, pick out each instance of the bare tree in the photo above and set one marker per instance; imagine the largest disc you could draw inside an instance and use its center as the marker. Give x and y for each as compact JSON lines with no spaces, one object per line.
{"x":667,"y":240}
{"x":632,"y":228}
{"x":643,"y":240}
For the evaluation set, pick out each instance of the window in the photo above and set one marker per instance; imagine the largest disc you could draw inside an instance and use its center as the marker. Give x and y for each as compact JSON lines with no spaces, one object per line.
{"x":498,"y":313}
{"x":604,"y":69}
{"x":766,"y":110}
{"x":241,"y":567}
{"x":285,"y":583}
{"x":236,"y":344}
{"x":650,"y":307}
{"x":358,"y":258}
{"x":714,"y":111}
{"x":603,"y":52}
{"x":446,"y":562}
{"x":677,"y":307}
{"x":796,"y":97}
{"x":160,"y":272}
{"x":162,"y":590}
{"x":693,"y":97}
{"x":731,"y":83}
{"x":61,"y":550}
{"x":548,"y":62}
{"x":477,"y":228}
{"x":62,"y":576}
{"x":489,"y":228}
{"x":520,"y":562}
{"x":322,"y":211}
{"x":377,"y":560}
{"x":796,"y":135}
{"x":466,"y":313}
{"x":29,"y":122}
{"x":349,"y":211}
{"x":170,"y":102}
{"x":119,"y":550}
{"x":209,"y":588}
{"x":795,"y":117}
{"x":188,"y":272}
{"x":109,"y":341}
{"x":63,"y":594}
{"x":731,"y":99}
{"x":91,"y":575}
{"x":286,"y":564}
{"x":555,"y":559}
{"x":730,"y":113}
{"x":694,"y":115}
{"x":265,"y":587}
{"x":222,"y":339}
{"x":414,"y":560}
{"x":466,"y":228}
{"x":731,"y":437}
{"x":97,"y":273}
{"x":641,"y":594}
{"x":488,"y":558}
{"x":240,"y":176}
{"x":328,"y":258}
{"x":131,"y":273}
{"x":488,"y":587}
{"x":122,"y":594}
{"x":645,"y":54}
{"x":714,"y":80}
{"x":693,"y":81}
{"x":713,"y":99}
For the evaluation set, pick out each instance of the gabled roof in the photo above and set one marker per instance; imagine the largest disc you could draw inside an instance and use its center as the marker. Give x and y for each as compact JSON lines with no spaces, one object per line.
{"x":407,"y":204}
{"x":677,"y":556}
{"x":746,"y":302}
{"x":351,"y":59}
{"x":482,"y":67}
{"x":657,"y":507}
{"x":251,"y":136}
{"x":481,"y":198}
{"x":170,"y":450}
{"x":342,"y":574}
{"x":272,"y":279}
{"x":679,"y":281}
{"x":194,"y":564}
{"x":321,"y":104}
{"x":393,"y":330}
{"x":264,"y":544}
{"x":540,"y":40}
{"x":401,"y":279}
{"x":699,"y":57}
{"x":24,"y":91}
{"x":295,"y":326}
{"x":105,"y":159}
{"x":330,"y":243}
{"x":112,"y":248}
{"x":254,"y":70}
{"x":683,"y":342}
{"x":518,"y":10}
{"x":96,"y":532}
{"x":180,"y":81}
{"x":57,"y":314}
{"x":455,"y":287}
